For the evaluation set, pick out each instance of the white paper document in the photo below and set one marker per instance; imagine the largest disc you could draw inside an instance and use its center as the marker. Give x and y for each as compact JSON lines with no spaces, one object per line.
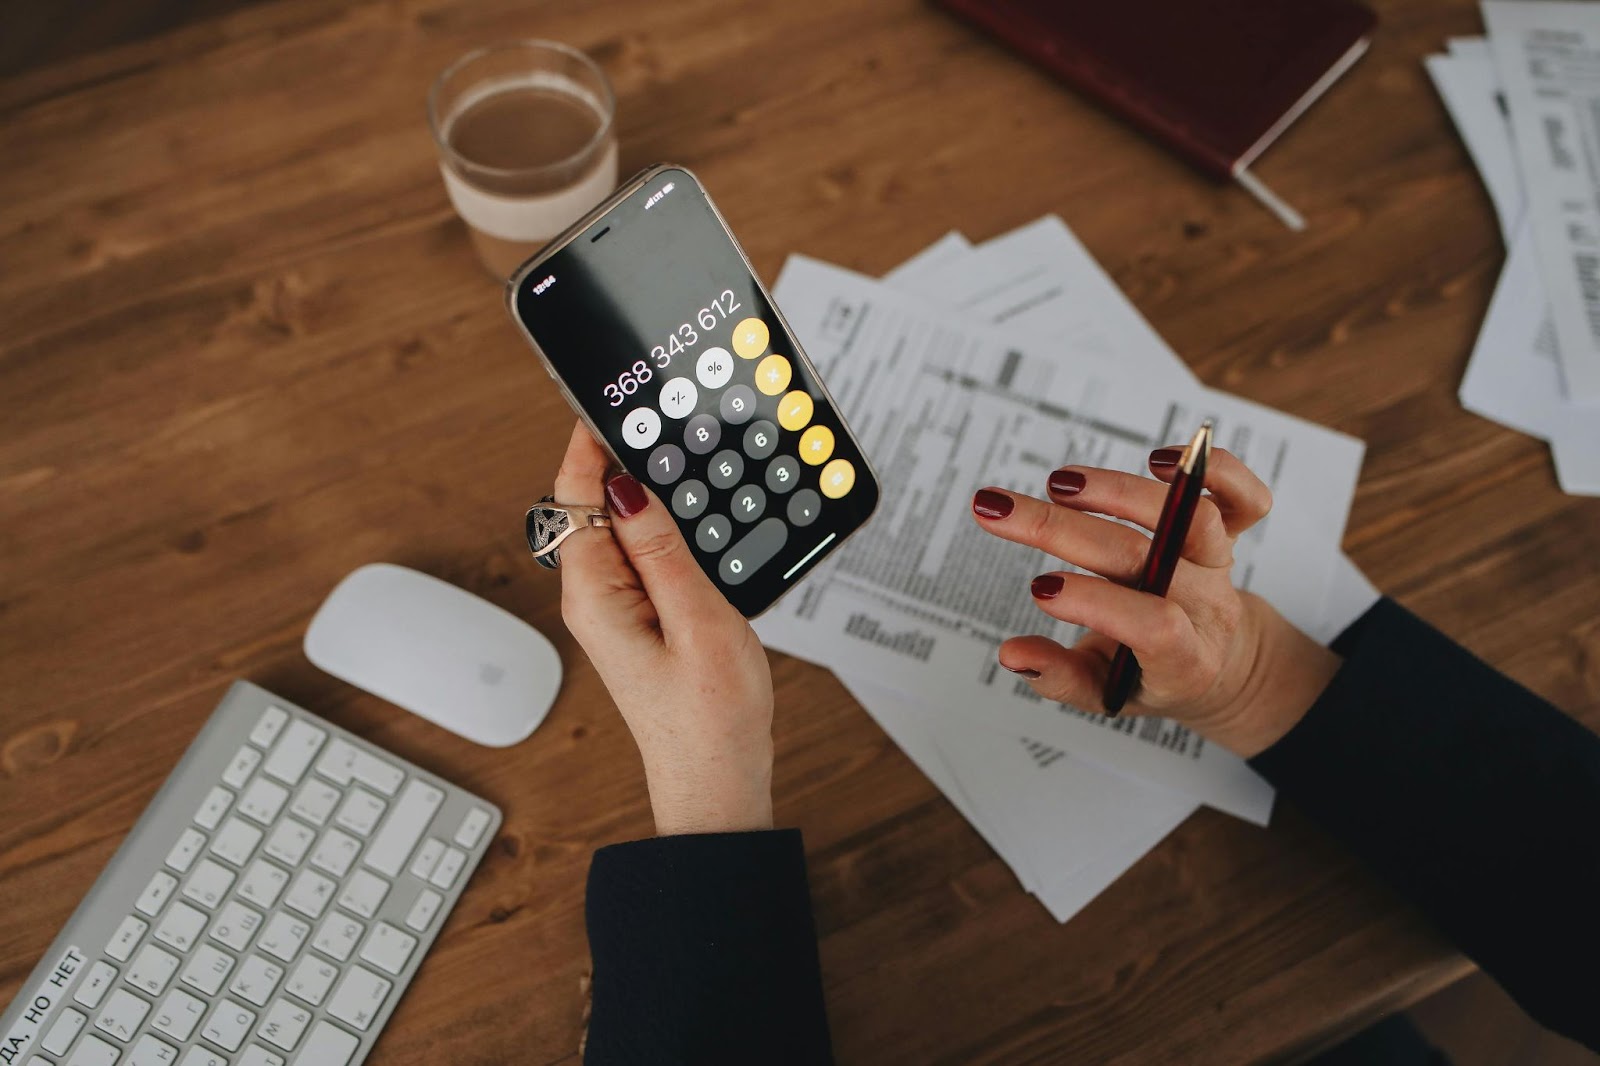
{"x":1547,"y":53}
{"x":944,"y":406}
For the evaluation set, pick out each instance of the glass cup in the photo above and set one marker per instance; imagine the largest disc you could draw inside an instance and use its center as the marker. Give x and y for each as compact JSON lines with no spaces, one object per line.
{"x":527,"y":143}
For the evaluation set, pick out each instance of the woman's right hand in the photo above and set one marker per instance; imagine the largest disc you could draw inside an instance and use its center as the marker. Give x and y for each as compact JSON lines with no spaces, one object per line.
{"x":1221,"y":661}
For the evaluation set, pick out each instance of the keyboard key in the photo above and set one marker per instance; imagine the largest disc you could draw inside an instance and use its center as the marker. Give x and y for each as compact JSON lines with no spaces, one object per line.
{"x":311,"y":980}
{"x":235,"y":841}
{"x":641,"y":427}
{"x":93,"y":987}
{"x":262,"y":801}
{"x":726,"y":468}
{"x":838,"y":477}
{"x":804,"y":506}
{"x":229,"y":1023}
{"x":178,"y":1014}
{"x":243,"y":764}
{"x":714,"y":368}
{"x":760,"y":439}
{"x":235,"y":925}
{"x":412,"y":813}
{"x":64,"y":1031}
{"x":315,"y":801}
{"x":256,"y":1055}
{"x":256,"y":980}
{"x":207,"y":969}
{"x":359,"y":997}
{"x":753,"y":552}
{"x":124,"y":1011}
{"x":183,"y":853}
{"x":336,"y":852}
{"x":666,"y":464}
{"x":360,"y":811}
{"x":126,"y":938}
{"x":748,"y":503}
{"x":690,"y":498}
{"x":213,"y":807}
{"x":93,"y":1051}
{"x":338,"y":763}
{"x":702,"y":434}
{"x":289,"y":841}
{"x":208,"y":884}
{"x":388,"y":948}
{"x":816,"y":445}
{"x":363,"y":894}
{"x":152,"y":1052}
{"x":427,"y":858}
{"x":284,"y":1024}
{"x":371,"y":770}
{"x":328,"y":1045}
{"x":262,"y":883}
{"x":795,"y":410}
{"x":679,"y":397}
{"x":337,"y":936}
{"x":268,"y":727}
{"x":182,"y":927}
{"x":450,"y":864}
{"x":152,"y":969}
{"x":472,"y":826}
{"x":783,"y":474}
{"x":423,"y":910}
{"x":155,"y":894}
{"x":199,"y":1056}
{"x":310,"y":894}
{"x":293,"y":753}
{"x":773,"y":375}
{"x":713,"y":533}
{"x":738,"y":405}
{"x":283,"y":936}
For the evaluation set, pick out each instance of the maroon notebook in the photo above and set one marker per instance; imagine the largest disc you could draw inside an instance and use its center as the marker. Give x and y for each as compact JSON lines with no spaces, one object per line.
{"x":1217,"y":80}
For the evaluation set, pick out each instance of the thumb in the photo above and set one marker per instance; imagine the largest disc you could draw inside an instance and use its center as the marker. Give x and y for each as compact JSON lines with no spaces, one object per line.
{"x":654,"y":545}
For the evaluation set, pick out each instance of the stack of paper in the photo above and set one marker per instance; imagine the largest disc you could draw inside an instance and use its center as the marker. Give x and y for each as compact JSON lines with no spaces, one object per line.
{"x":994,"y":365}
{"x":1525,"y":101}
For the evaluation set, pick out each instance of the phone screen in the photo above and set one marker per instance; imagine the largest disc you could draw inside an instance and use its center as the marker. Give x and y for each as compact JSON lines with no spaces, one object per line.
{"x":661,"y":333}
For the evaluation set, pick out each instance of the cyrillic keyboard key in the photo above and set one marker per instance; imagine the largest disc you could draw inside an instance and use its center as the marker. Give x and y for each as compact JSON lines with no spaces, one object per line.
{"x":213,"y":807}
{"x":472,"y":827}
{"x":155,"y":894}
{"x":371,"y":770}
{"x":422,"y":911}
{"x":268,"y":727}
{"x":183,"y":853}
{"x":388,"y":948}
{"x":207,"y":969}
{"x":182,"y":927}
{"x":338,"y":763}
{"x":256,"y":980}
{"x":283,"y":936}
{"x":336,"y":852}
{"x":283,"y":1024}
{"x":93,"y":1051}
{"x":289,"y":842}
{"x":337,"y":936}
{"x":262,"y":801}
{"x":359,"y":997}
{"x":62,"y":1033}
{"x":262,"y":883}
{"x":360,"y":811}
{"x":412,"y":814}
{"x":244,"y":762}
{"x":126,"y":938}
{"x":152,"y":1052}
{"x":256,"y":1055}
{"x":753,"y":552}
{"x":311,"y":980}
{"x":236,"y":840}
{"x":199,"y":1056}
{"x":328,"y":1045}
{"x":124,"y":1011}
{"x":236,"y":925}
{"x":92,"y":989}
{"x":310,"y":894}
{"x":363,"y":894}
{"x":152,"y":970}
{"x":427,"y":858}
{"x":208,"y":884}
{"x":316,"y":800}
{"x":294,"y":752}
{"x":228,"y":1025}
{"x":178,"y":1014}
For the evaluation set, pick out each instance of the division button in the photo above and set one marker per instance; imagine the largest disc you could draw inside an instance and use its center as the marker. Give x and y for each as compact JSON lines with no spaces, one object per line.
{"x":816,"y":444}
{"x":761,"y":439}
{"x":714,"y":533}
{"x":803,"y":507}
{"x":748,"y":503}
{"x":783,"y":474}
{"x":727,"y":467}
{"x":838,"y":477}
{"x":753,"y":552}
{"x":641,"y":428}
{"x":702,"y":434}
{"x":773,"y":374}
{"x":678,"y":398}
{"x":738,"y":405}
{"x":690,"y":498}
{"x":794,"y":410}
{"x":750,"y":338}
{"x":714,"y":368}
{"x":666,"y":464}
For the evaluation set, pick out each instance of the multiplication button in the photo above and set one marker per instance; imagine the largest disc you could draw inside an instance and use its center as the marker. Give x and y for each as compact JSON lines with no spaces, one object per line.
{"x":641,"y":428}
{"x":803,"y":507}
{"x":678,"y":398}
{"x":702,"y":433}
{"x":727,"y":467}
{"x":666,"y":464}
{"x":748,"y":503}
{"x":738,"y":405}
{"x":690,"y":498}
{"x":761,"y":439}
{"x":753,"y":552}
{"x":783,"y":474}
{"x":714,"y":368}
{"x":713,"y":533}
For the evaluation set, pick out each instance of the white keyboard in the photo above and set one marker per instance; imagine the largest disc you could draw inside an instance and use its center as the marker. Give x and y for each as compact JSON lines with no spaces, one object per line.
{"x":268,"y":908}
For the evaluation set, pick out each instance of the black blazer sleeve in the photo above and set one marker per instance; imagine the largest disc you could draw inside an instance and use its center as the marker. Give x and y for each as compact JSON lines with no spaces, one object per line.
{"x":1475,"y":798}
{"x":705,"y":952}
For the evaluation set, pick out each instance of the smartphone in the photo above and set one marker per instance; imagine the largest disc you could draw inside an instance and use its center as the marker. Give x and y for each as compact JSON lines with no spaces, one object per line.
{"x":649,"y":316}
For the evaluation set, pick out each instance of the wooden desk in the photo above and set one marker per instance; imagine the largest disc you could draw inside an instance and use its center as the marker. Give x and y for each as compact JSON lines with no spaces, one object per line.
{"x":246,"y":348}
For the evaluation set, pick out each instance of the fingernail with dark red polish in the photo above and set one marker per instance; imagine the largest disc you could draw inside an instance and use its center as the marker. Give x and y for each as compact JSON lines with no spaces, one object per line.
{"x":1048,"y":586}
{"x":1066,"y":483}
{"x":987,"y":503}
{"x":626,"y":495}
{"x":1022,"y":671}
{"x":1162,"y":458}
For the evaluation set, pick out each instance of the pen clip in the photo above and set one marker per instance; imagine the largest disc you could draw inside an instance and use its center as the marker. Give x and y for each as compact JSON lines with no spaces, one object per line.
{"x":1198,"y":453}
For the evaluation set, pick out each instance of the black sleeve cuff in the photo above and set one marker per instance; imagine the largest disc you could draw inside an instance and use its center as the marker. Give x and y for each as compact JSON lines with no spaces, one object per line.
{"x":1473,"y":797}
{"x":705,"y":952}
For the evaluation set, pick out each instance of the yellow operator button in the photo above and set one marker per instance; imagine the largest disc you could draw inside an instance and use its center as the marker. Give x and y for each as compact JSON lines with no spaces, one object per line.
{"x":838,"y":478}
{"x":794,"y":411}
{"x":750,"y":338}
{"x":816,"y":444}
{"x":773,"y":374}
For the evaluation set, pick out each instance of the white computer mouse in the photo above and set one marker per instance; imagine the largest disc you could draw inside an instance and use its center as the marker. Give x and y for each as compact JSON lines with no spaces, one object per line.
{"x":438,"y":651}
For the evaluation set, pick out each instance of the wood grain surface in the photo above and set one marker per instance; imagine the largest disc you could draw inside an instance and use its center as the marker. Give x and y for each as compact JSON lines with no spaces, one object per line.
{"x":245,"y":348}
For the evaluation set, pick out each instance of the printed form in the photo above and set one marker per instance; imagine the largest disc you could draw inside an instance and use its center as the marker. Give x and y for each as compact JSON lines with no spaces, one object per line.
{"x":944,"y":406}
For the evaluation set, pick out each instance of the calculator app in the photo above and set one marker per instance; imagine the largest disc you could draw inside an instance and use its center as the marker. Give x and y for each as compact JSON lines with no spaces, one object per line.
{"x":656,"y":326}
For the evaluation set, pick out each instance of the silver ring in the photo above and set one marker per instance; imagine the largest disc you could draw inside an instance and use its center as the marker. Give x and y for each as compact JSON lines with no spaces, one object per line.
{"x":549,"y":523}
